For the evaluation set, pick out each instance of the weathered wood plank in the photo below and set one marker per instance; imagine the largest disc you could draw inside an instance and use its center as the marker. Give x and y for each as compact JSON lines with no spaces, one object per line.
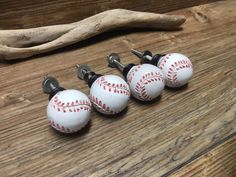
{"x":220,"y":161}
{"x":150,"y":139}
{"x":27,"y":13}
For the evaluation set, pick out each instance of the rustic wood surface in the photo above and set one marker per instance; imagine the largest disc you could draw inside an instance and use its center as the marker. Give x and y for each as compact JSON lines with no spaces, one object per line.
{"x":149,"y":139}
{"x":221,"y":161}
{"x":28,"y":13}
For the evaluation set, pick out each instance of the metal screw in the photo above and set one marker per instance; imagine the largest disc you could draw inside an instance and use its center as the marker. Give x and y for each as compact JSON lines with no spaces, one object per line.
{"x":114,"y":61}
{"x":146,"y":55}
{"x":49,"y":83}
{"x":82,"y":70}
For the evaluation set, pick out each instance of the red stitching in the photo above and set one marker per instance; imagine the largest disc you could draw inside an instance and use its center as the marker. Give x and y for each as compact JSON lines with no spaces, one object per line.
{"x":100,"y":105}
{"x":132,"y":72}
{"x":140,"y":89}
{"x":71,"y":106}
{"x":60,"y":128}
{"x":146,"y":79}
{"x":115,"y":88}
{"x":172,"y":74}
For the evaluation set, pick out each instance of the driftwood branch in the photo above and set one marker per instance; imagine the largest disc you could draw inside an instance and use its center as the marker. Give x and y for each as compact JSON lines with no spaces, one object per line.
{"x":23,"y":43}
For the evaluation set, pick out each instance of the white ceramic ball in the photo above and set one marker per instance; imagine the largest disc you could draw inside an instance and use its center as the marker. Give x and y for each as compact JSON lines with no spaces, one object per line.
{"x":69,"y":111}
{"x":146,"y":82}
{"x":109,"y":94}
{"x":176,"y":68}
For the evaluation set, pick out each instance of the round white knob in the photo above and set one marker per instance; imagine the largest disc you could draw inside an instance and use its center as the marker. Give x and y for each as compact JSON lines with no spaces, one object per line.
{"x":146,"y":82}
{"x":109,"y":94}
{"x":69,"y":111}
{"x":176,"y":68}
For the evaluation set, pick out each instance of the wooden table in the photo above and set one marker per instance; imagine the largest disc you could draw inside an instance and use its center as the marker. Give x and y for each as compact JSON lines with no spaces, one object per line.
{"x":188,"y":132}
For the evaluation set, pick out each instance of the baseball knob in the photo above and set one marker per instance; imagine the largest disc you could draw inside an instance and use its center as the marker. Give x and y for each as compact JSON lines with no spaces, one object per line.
{"x":69,"y":111}
{"x":176,"y":68}
{"x":146,"y":82}
{"x":109,"y":94}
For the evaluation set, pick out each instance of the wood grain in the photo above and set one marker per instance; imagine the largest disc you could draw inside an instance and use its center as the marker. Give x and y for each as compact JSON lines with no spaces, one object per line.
{"x":149,"y":139}
{"x":221,"y":161}
{"x":27,"y":13}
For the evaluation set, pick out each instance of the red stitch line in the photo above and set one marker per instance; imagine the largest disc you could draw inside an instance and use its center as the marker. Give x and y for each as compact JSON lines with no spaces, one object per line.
{"x":140,"y":85}
{"x":60,"y":106}
{"x":100,"y":105}
{"x":172,"y":74}
{"x":60,"y":127}
{"x":132,"y":72}
{"x":115,"y":88}
{"x":146,"y":79}
{"x":172,"y":70}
